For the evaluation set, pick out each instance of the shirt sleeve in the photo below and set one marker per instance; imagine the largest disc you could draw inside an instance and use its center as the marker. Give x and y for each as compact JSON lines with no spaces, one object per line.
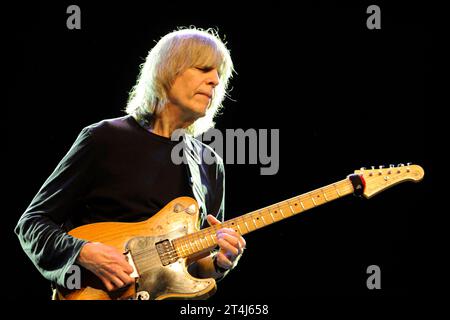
{"x":39,"y":229}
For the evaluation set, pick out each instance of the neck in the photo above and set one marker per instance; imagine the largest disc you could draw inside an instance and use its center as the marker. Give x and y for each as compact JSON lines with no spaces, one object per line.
{"x":205,"y":239}
{"x":168,"y":120}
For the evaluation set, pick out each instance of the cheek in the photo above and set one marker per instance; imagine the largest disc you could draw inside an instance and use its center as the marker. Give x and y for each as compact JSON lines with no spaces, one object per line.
{"x":178,"y":92}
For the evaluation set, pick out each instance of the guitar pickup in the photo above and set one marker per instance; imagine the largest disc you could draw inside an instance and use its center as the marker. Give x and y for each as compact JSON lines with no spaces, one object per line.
{"x":166,"y":252}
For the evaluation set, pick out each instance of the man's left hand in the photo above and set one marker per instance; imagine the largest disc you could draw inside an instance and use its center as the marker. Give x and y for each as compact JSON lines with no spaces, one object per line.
{"x":231,"y":244}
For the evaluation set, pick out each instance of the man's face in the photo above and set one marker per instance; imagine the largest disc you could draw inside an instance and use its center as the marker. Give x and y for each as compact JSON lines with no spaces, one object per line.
{"x":192,"y":90}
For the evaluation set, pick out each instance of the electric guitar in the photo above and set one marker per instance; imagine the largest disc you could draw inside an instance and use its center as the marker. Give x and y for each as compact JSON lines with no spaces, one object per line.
{"x":158,"y":249}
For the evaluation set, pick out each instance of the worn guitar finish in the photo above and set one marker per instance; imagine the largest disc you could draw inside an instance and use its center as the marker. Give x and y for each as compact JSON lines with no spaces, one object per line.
{"x":161,"y":247}
{"x":156,"y":281}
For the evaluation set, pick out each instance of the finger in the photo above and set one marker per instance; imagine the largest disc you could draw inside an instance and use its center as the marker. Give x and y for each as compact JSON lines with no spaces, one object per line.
{"x":240,"y":249}
{"x":234,"y":234}
{"x":116,"y":282}
{"x":109,"y":286}
{"x":223,"y":261}
{"x":224,"y":245}
{"x":126,"y":266}
{"x":242,"y":242}
{"x":126,"y":279}
{"x":230,"y":232}
{"x":234,"y":241}
{"x":212,"y":220}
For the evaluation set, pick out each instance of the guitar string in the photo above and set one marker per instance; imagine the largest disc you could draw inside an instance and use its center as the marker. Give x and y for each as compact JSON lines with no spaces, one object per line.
{"x":207,"y":231}
{"x":195,"y":237}
{"x":268,"y":209}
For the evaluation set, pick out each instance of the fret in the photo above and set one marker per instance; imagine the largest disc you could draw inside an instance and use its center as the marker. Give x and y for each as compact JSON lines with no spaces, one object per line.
{"x":337,"y":190}
{"x":190,"y":243}
{"x":178,"y":249}
{"x":184,"y":246}
{"x":318,"y":200}
{"x":331,"y":194}
{"x":264,"y":221}
{"x":301,"y":203}
{"x":253,"y":220}
{"x":200,"y":243}
{"x":314,"y":201}
{"x":213,"y":240}
{"x":188,"y":249}
{"x":182,"y":253}
{"x":179,"y":244}
{"x":324,"y":195}
{"x":272,"y":216}
{"x":207,"y":238}
{"x":289,"y":212}
{"x":246,"y":225}
{"x":292,"y":210}
{"x":196,"y":244}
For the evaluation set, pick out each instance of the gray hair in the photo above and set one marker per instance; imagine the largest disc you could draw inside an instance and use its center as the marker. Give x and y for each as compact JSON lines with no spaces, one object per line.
{"x":172,"y":55}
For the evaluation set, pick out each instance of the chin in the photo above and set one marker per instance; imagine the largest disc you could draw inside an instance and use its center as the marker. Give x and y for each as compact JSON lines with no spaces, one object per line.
{"x":199,"y":116}
{"x":200,"y":111}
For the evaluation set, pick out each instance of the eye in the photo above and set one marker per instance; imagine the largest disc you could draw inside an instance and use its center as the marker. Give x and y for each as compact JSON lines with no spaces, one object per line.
{"x":205,"y":69}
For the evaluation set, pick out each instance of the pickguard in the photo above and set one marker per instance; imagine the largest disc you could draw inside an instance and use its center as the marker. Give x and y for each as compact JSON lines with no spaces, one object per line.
{"x":157,"y":281}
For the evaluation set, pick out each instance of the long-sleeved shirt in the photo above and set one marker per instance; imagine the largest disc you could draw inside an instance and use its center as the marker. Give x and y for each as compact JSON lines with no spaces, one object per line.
{"x":116,"y":170}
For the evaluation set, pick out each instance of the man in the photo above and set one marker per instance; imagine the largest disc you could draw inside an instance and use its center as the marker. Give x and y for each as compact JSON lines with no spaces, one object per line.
{"x":122,"y":169}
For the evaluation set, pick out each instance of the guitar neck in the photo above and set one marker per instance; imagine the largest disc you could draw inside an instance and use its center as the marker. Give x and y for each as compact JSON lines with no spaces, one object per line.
{"x":205,"y":239}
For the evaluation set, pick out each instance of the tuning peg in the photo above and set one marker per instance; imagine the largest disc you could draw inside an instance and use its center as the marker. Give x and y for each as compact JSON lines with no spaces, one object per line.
{"x":408,"y":164}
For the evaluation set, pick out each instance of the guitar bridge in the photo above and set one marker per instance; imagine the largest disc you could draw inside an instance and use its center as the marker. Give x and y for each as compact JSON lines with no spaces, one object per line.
{"x":166,"y":252}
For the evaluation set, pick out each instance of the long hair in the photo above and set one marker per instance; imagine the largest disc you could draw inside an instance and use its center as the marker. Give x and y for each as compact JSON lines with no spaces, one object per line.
{"x":172,"y":55}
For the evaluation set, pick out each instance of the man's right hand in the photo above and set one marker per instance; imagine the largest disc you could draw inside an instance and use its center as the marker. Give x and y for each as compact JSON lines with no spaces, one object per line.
{"x":107,"y":263}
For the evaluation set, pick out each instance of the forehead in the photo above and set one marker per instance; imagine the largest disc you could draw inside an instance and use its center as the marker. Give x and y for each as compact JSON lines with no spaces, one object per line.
{"x":206,"y":55}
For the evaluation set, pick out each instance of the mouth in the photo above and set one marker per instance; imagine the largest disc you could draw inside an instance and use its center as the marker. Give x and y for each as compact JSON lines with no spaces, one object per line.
{"x":206,"y":94}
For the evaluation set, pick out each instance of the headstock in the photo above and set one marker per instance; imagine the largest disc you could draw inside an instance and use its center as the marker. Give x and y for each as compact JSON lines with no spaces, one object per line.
{"x":377,"y":180}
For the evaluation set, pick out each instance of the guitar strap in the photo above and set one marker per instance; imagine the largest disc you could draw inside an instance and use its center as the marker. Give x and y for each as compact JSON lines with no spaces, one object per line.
{"x":358,"y":184}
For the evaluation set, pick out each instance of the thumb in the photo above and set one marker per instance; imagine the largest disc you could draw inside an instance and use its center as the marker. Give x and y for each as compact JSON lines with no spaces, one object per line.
{"x":212,"y":220}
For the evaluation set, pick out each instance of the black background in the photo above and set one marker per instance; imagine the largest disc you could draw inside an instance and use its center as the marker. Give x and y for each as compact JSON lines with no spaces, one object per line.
{"x":342,"y":96}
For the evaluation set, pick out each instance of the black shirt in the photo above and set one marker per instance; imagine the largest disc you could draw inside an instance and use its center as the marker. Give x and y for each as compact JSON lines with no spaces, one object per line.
{"x":115,"y":171}
{"x":136,"y":177}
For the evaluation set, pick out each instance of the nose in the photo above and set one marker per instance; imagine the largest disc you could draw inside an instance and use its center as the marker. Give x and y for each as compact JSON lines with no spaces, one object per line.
{"x":213,"y":78}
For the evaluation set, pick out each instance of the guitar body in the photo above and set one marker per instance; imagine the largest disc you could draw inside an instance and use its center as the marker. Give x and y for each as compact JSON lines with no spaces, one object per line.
{"x":156,"y":280}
